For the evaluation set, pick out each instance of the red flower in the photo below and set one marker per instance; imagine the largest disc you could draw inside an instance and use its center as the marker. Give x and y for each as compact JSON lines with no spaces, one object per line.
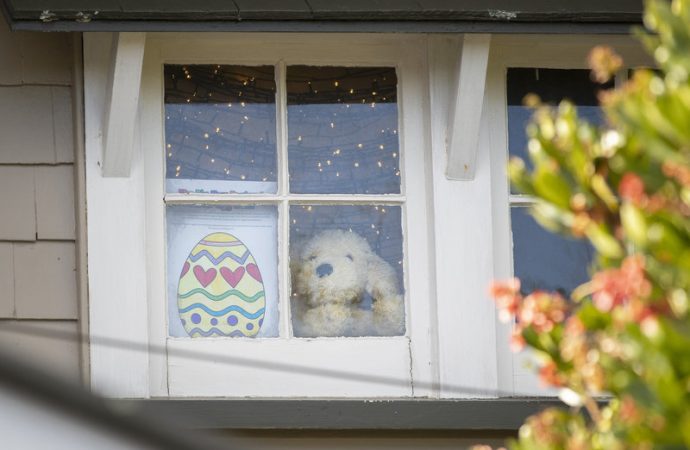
{"x":613,"y":287}
{"x":548,"y":374}
{"x":542,"y":310}
{"x":630,"y":413}
{"x":517,"y":342}
{"x":507,"y":296}
{"x":631,"y":188}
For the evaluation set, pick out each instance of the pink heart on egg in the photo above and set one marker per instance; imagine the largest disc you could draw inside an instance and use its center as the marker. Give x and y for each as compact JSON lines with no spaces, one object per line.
{"x":233,"y":277}
{"x":204,"y":276}
{"x":185,"y":269}
{"x":253,"y":270}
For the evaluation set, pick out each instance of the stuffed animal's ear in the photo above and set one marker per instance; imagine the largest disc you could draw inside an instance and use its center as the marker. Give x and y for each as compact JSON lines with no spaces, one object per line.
{"x":382,"y":280}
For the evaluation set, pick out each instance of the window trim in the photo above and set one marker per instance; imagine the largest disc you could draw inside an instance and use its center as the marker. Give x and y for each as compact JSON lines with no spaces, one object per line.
{"x":130,"y":210}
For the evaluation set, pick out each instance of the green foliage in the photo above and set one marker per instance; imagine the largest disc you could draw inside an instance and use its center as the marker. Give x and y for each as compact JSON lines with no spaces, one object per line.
{"x":625,"y":335}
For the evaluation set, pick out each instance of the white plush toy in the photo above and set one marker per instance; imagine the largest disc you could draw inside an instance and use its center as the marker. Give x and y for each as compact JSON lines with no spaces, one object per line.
{"x":342,"y":288}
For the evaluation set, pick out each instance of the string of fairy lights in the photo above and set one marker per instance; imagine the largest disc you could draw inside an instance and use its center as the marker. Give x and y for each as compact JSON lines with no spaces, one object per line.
{"x":220,"y":125}
{"x":342,"y":138}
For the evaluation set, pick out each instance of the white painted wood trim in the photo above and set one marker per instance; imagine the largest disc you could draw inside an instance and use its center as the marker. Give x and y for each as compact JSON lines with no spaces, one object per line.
{"x":116,"y":246}
{"x":502,"y":236}
{"x":150,"y":118}
{"x":121,"y":102}
{"x":80,"y":205}
{"x":290,"y":368}
{"x":466,"y":324}
{"x":465,"y":110}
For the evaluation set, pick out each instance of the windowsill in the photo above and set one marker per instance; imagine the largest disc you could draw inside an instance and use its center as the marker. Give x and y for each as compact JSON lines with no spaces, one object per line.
{"x":422,"y":414}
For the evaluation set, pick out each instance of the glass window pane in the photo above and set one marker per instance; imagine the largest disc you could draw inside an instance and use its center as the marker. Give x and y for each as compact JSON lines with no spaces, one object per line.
{"x":546,"y":261}
{"x":222,"y":271}
{"x":343,"y":130}
{"x":552,"y":86}
{"x":220,"y":129}
{"x":347,"y":270}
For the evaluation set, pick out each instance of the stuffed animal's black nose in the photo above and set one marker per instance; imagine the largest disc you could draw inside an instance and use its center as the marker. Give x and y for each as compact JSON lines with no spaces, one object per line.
{"x":324,"y":270}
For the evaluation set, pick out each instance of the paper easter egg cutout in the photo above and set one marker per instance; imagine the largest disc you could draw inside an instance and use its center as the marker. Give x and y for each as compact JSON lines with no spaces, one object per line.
{"x":221,"y":292}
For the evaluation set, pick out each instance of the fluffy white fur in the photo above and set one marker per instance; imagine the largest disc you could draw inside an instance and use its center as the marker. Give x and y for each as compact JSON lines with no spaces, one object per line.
{"x":336,"y":304}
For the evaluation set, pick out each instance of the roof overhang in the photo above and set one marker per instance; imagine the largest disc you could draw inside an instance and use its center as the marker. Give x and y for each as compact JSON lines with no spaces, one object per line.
{"x":440,"y":16}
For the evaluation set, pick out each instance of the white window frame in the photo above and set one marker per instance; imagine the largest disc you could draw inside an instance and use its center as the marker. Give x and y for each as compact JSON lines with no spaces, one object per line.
{"x":399,"y":366}
{"x":517,"y":372}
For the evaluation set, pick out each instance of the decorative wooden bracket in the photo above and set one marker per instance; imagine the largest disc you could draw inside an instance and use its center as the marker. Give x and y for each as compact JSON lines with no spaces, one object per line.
{"x":462,"y":137}
{"x":122,"y":100}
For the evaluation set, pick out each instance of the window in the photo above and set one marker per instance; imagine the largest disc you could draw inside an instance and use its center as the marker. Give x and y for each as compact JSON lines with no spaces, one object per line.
{"x":346,"y":255}
{"x":540,"y":259}
{"x":281,"y":181}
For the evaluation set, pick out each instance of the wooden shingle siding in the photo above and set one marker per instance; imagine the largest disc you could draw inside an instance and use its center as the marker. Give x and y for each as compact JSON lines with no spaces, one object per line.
{"x":26,"y":118}
{"x":55,"y":202}
{"x":34,"y":58}
{"x":36,"y":125}
{"x":58,"y":356}
{"x":44,"y":280}
{"x":41,"y":202}
{"x":6,"y":280}
{"x":17,"y":201}
{"x":46,"y":58}
{"x":62,"y":124}
{"x":38,"y":288}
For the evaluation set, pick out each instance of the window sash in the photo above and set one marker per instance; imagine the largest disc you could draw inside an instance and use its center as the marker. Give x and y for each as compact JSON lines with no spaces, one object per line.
{"x":398,"y":359}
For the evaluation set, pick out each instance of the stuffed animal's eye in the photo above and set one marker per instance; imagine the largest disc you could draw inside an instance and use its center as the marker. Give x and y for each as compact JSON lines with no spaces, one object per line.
{"x":312,"y":257}
{"x":350,"y":257}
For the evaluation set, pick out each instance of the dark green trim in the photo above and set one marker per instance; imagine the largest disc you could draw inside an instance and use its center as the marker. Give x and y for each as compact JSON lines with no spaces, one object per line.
{"x":471,"y":414}
{"x":332,"y":27}
{"x":305,"y":15}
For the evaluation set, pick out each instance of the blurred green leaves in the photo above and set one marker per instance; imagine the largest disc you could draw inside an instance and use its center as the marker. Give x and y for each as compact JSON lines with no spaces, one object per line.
{"x":626,"y":188}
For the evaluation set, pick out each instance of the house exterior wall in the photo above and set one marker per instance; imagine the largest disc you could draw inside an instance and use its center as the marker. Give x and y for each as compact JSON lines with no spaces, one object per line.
{"x":39,"y":283}
{"x":38,"y":280}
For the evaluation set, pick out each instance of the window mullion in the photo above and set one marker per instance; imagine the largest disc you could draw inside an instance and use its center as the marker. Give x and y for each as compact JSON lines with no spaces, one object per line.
{"x":284,"y":209}
{"x":281,"y":133}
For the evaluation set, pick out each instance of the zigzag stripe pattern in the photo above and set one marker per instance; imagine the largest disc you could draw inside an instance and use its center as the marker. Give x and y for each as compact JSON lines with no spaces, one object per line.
{"x":222,"y":312}
{"x":203,"y":333}
{"x":238,"y":259}
{"x":224,"y":295}
{"x":215,"y":331}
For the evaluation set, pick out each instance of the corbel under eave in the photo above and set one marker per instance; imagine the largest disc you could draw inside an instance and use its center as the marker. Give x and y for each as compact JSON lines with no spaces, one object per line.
{"x":462,"y":137}
{"x":121,"y":104}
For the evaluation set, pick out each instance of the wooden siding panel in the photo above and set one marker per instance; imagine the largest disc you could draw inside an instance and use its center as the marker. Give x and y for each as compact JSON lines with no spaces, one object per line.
{"x":63,"y":124}
{"x":11,"y":57}
{"x":55,"y":202}
{"x":26,"y":116}
{"x":45,"y":281}
{"x":52,"y":345}
{"x":47,"y":58}
{"x":17,"y":202}
{"x":6,"y":280}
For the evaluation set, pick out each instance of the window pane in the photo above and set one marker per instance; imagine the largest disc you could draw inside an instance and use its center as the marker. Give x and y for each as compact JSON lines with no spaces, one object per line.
{"x":546,"y":261}
{"x":220,"y":129}
{"x":347,"y":270}
{"x":343,"y":130}
{"x":552,"y":86}
{"x":222,"y":271}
